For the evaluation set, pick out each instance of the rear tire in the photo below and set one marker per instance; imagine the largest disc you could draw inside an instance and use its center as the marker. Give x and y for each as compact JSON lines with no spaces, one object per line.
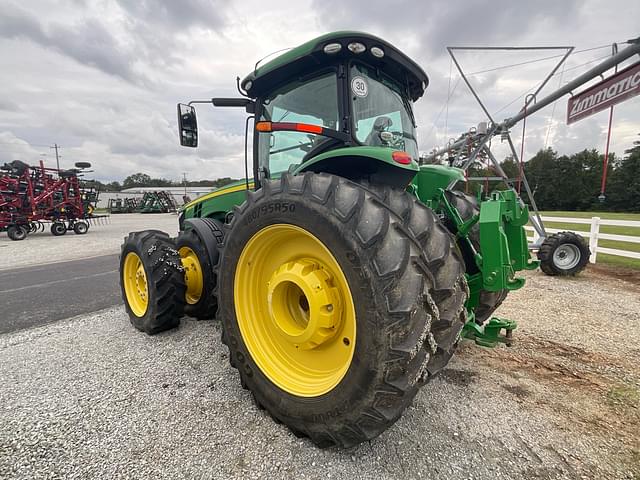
{"x":564,"y":254}
{"x":396,"y":319}
{"x":467,"y":206}
{"x":443,"y":262}
{"x":17,"y":232}
{"x":152,"y":281}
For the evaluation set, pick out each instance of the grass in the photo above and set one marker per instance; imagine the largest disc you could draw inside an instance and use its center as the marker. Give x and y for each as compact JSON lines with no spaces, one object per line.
{"x":624,"y":395}
{"x":603,"y":258}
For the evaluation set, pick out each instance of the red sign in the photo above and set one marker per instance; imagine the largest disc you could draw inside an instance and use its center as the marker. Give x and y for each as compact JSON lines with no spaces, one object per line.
{"x":615,"y":89}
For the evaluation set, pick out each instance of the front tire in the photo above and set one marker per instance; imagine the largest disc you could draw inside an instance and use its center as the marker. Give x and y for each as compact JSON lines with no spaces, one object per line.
{"x":325,"y":308}
{"x":152,"y":281}
{"x":200,"y":257}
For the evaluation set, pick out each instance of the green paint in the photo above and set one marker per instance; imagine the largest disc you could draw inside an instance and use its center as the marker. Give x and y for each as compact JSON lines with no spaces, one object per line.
{"x":490,"y":335}
{"x":380,"y":154}
{"x":431,"y":178}
{"x":314,"y":47}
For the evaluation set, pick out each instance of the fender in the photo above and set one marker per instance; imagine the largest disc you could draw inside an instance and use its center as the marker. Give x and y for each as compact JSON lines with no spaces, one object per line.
{"x":376,"y":163}
{"x":210,"y":232}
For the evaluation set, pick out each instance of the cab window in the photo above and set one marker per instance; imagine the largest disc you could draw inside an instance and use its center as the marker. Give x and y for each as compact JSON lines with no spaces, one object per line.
{"x":313,"y":102}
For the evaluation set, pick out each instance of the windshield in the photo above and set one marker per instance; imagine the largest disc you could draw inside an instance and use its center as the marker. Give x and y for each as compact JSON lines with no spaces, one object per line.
{"x":313,"y":102}
{"x":382,"y":113}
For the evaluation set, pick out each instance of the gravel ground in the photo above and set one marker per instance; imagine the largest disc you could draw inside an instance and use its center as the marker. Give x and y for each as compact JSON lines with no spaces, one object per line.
{"x":90,"y":397}
{"x":42,"y":247}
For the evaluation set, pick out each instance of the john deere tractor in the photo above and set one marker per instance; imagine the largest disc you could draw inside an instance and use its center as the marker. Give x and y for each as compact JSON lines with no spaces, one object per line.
{"x":343,"y":273}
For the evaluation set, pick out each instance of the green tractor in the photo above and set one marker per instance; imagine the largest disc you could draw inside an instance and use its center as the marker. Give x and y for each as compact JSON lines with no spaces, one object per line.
{"x":343,"y":273}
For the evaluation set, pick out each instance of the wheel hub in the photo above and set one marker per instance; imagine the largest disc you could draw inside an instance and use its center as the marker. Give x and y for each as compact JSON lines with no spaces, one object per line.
{"x":193,"y":276}
{"x":135,"y":284}
{"x":303,"y":304}
{"x":566,"y":256}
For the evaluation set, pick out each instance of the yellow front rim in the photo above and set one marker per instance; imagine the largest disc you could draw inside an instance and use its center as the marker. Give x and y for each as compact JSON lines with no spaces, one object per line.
{"x":192,"y":275}
{"x":134,"y":280}
{"x":294,"y":310}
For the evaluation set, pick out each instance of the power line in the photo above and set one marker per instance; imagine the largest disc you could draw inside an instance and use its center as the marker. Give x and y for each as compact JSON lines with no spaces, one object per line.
{"x":537,"y":84}
{"x":535,"y":61}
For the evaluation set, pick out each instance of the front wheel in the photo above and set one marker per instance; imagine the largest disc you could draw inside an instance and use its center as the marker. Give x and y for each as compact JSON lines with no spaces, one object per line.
{"x":152,"y":281}
{"x":325,"y":308}
{"x":199,"y":247}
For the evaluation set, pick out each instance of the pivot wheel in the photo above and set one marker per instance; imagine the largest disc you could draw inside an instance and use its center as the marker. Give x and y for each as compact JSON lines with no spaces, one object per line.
{"x":467,"y":206}
{"x":325,"y":308}
{"x":151,"y":281}
{"x":198,"y":247}
{"x":58,"y":229}
{"x":17,"y":232}
{"x":564,"y":253}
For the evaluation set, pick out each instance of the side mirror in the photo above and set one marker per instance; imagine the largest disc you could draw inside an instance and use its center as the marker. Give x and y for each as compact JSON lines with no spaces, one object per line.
{"x":187,"y":125}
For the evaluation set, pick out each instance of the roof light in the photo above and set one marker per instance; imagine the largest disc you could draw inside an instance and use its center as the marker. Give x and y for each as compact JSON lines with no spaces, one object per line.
{"x":377,"y":52}
{"x":331,"y":48}
{"x":248,"y":85}
{"x":402,"y":158}
{"x":356,"y":47}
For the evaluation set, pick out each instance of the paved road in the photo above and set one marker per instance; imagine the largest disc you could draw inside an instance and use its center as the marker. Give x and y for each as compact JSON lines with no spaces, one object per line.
{"x":42,"y":294}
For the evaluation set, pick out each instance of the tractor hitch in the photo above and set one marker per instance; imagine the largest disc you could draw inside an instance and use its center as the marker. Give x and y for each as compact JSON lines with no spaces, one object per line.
{"x":490,"y":334}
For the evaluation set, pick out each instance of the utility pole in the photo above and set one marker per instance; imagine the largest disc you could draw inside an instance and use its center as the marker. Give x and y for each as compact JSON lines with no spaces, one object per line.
{"x":184,"y":179}
{"x":56,"y":147}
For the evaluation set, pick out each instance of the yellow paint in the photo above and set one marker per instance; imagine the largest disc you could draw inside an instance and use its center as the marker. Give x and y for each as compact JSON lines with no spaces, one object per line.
{"x":193,"y":275}
{"x":134,"y":280}
{"x":294,"y":310}
{"x":217,"y":193}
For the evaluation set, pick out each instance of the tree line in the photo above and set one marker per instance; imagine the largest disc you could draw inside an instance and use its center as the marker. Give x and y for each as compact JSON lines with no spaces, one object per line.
{"x":572,"y":182}
{"x":143,"y":180}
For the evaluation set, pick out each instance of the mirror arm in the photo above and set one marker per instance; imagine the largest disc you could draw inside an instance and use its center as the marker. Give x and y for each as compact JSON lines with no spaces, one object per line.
{"x":248,"y":104}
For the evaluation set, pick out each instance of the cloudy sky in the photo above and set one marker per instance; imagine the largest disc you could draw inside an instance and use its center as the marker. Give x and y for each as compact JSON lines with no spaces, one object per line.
{"x":101,"y":78}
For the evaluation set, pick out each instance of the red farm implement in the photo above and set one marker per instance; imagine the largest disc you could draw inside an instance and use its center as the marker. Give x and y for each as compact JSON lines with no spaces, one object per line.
{"x":31,"y":197}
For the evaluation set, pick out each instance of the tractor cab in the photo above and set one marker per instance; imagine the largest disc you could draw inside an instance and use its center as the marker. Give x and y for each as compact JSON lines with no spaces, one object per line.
{"x":341,"y":103}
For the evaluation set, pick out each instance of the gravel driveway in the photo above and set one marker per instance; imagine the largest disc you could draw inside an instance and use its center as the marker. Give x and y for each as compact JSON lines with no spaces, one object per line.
{"x":90,"y":397}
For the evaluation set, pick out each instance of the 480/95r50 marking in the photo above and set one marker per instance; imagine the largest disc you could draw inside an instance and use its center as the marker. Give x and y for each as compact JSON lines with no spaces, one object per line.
{"x":273,"y":207}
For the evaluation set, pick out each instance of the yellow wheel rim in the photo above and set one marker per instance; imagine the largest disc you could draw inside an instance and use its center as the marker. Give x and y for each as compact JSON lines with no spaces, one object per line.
{"x":294,"y":310}
{"x":134,"y":280}
{"x":192,"y":275}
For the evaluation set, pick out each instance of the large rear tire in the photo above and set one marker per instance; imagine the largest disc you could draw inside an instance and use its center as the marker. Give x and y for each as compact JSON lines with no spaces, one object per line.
{"x":152,"y":281}
{"x":443,"y":262}
{"x":468,"y":206}
{"x":327,"y":309}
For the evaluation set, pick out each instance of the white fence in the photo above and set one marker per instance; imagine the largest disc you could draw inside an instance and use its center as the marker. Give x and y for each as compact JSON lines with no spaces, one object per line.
{"x":594,"y":234}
